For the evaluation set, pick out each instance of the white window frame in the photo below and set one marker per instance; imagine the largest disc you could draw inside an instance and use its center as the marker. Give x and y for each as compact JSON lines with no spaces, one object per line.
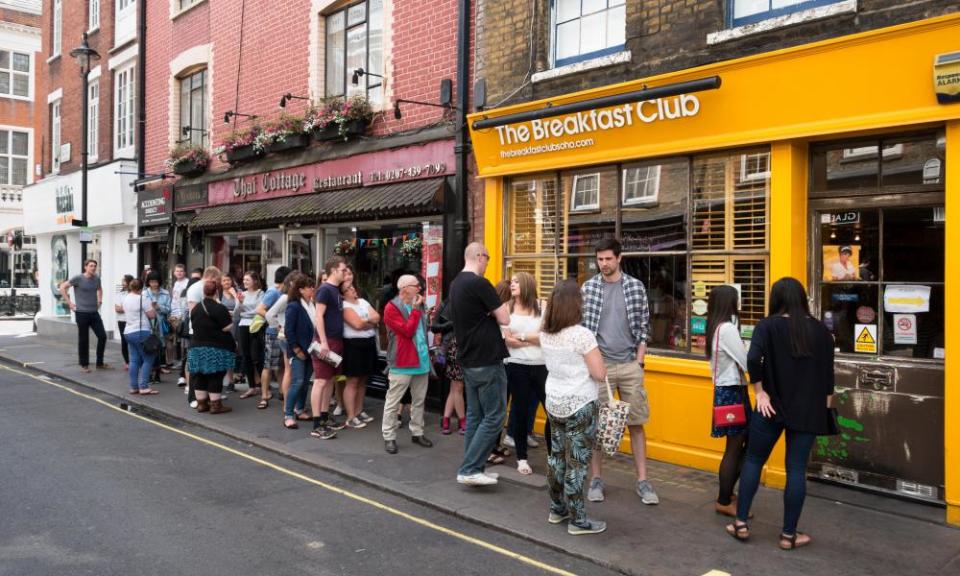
{"x":866,"y":152}
{"x":574,"y":206}
{"x":57,"y":34}
{"x":647,"y":198}
{"x":194,"y":138}
{"x":93,"y":16}
{"x":581,"y":56}
{"x":28,"y":172}
{"x":93,"y":120}
{"x":55,"y":134}
{"x":124,"y":21}
{"x":124,"y":111}
{"x":11,"y":73}
{"x":746,"y":175}
{"x":366,"y":82}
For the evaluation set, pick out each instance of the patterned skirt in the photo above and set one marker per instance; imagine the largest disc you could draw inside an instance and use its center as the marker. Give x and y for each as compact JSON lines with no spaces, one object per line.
{"x":209,"y":360}
{"x":452,"y":368}
{"x":725,"y":396}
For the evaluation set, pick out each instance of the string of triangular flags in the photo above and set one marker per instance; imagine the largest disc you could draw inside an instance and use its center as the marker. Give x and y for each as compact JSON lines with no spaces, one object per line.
{"x":392,"y":240}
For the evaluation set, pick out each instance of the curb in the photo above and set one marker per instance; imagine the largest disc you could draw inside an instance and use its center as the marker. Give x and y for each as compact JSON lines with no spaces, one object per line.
{"x":325,"y":464}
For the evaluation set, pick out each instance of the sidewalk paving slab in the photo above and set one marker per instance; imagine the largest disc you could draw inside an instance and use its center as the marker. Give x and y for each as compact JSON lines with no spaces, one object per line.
{"x":680,"y":536}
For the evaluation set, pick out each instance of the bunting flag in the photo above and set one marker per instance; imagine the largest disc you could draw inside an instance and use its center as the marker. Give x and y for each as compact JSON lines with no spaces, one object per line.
{"x":385,"y":241}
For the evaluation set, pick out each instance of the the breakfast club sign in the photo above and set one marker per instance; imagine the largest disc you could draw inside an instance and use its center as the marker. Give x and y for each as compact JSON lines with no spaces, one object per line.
{"x":372,"y":169}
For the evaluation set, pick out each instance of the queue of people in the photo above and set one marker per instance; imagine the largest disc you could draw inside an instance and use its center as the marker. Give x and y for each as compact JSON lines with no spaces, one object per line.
{"x":496,"y":346}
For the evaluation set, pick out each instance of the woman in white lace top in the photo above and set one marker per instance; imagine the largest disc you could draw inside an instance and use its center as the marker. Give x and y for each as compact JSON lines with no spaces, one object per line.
{"x":574,"y":365}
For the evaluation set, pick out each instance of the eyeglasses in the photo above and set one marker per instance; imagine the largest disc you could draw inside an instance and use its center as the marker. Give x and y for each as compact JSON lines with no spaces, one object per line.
{"x":485,"y":255}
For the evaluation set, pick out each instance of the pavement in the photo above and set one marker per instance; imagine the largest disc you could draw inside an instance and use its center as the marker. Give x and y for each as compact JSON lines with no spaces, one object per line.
{"x":854,"y":532}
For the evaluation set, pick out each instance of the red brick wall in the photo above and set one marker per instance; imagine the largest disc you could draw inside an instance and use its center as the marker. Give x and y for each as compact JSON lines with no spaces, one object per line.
{"x":63,"y":73}
{"x":275,"y":60}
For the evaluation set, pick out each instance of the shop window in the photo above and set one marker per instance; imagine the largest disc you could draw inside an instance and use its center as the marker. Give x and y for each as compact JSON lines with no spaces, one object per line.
{"x":750,"y":11}
{"x":658,"y":222}
{"x":584,"y":29}
{"x":592,"y":216}
{"x":194,"y":97}
{"x":14,"y":157}
{"x":586,"y":192}
{"x":93,"y":122}
{"x":14,"y":74}
{"x":665,"y":278}
{"x":534,"y":216}
{"x":124,"y":115}
{"x":913,"y":162}
{"x":55,"y":136}
{"x":354,"y":39}
{"x":754,"y":166}
{"x":641,"y":185}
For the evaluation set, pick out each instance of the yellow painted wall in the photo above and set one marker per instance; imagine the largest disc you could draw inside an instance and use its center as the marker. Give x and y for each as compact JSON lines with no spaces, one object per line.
{"x":952,"y":311}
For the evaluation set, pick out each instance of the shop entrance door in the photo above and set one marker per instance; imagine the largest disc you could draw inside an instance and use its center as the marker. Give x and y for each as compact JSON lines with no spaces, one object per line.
{"x":877,"y":282}
{"x":302,"y":252}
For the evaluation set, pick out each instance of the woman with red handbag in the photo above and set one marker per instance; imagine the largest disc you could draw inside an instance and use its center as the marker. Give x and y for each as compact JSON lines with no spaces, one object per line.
{"x":731,"y":402}
{"x":791,"y":366}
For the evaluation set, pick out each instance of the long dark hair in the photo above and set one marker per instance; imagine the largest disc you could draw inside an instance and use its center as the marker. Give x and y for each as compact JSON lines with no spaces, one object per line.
{"x":721,"y":306}
{"x":565,"y":307}
{"x":787,"y":296}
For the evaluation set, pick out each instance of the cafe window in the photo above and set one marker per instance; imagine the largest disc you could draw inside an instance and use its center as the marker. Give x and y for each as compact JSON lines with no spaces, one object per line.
{"x":194,"y":95}
{"x":701,"y":224}
{"x":584,"y":29}
{"x":354,"y":39}
{"x":749,"y":11}
{"x":586,"y":192}
{"x":14,"y":157}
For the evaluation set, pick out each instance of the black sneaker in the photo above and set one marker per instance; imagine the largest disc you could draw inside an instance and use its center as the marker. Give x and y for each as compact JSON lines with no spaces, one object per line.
{"x":335,"y":424}
{"x":323,"y":432}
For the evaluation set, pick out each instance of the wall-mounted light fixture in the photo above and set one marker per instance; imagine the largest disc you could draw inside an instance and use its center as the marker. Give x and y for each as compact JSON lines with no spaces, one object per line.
{"x":361,"y":72}
{"x":230,"y":114}
{"x":288,"y":97}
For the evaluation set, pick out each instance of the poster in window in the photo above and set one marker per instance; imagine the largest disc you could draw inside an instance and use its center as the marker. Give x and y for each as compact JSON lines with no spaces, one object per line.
{"x":841,"y":262}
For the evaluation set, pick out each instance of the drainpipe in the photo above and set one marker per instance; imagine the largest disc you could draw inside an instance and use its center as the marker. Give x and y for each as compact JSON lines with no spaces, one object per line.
{"x":141,"y":109}
{"x":456,"y":225}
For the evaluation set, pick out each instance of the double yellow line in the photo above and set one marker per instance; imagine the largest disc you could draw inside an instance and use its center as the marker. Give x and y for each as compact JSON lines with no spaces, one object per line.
{"x":329,"y":487}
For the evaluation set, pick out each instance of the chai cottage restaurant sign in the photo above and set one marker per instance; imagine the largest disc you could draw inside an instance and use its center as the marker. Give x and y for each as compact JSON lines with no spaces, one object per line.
{"x":410,"y":163}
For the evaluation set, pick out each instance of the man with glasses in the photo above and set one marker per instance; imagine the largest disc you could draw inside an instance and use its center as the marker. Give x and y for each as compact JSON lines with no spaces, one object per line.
{"x":408,"y":361}
{"x":477,"y":317}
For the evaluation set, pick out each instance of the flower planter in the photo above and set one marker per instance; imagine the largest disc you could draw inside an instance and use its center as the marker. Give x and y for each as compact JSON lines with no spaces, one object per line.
{"x":242,"y":153}
{"x":332,"y":132}
{"x":188,"y":168}
{"x":291,"y":142}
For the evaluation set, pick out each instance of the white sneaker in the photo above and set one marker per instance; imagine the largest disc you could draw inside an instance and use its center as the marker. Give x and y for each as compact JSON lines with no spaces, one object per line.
{"x":193,"y":404}
{"x":508,"y":441}
{"x":477,"y":479}
{"x":338,"y":411}
{"x":532,"y":442}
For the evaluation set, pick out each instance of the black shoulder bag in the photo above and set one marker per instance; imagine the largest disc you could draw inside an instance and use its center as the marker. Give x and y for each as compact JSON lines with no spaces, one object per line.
{"x":152,"y":343}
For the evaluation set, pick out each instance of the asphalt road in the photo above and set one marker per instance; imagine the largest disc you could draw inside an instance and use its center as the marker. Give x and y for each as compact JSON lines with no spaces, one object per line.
{"x":92,"y":490}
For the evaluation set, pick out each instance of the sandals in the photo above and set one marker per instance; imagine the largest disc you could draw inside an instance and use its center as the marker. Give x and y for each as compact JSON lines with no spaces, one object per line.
{"x":290,"y":424}
{"x":739,"y":530}
{"x":494,"y":459}
{"x":250,"y":393}
{"x":149,"y":392}
{"x":791,"y":542}
{"x":523,"y":467}
{"x":263,"y":403}
{"x":304,"y":417}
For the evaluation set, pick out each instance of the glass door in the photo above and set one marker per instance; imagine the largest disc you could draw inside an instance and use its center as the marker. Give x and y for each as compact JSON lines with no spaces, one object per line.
{"x":302,"y":252}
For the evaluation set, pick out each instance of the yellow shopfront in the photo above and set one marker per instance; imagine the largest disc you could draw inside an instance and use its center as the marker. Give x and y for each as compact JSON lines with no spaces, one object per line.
{"x":764,"y":167}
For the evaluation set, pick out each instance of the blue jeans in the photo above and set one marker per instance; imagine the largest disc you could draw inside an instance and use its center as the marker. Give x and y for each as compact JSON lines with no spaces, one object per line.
{"x":301,"y":375}
{"x":141,"y":363}
{"x":484,"y":388}
{"x":763,"y":435}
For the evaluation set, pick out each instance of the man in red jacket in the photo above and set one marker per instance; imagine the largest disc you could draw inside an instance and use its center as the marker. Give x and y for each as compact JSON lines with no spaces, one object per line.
{"x":408,"y":361}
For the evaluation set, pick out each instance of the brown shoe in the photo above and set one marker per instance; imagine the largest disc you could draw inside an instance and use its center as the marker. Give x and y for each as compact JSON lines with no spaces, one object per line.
{"x":217,"y":407}
{"x":203,"y":405}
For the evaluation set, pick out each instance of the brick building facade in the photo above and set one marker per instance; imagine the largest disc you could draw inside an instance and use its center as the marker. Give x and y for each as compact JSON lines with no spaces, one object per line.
{"x":21,"y":137}
{"x":55,"y":199}
{"x":243,"y":56}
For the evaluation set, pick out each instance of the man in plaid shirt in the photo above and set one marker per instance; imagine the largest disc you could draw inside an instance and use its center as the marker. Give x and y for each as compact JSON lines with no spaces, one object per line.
{"x":615,"y":308}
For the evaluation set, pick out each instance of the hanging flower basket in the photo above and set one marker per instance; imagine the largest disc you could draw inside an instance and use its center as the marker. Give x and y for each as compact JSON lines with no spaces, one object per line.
{"x":188,"y":160}
{"x":291,"y":142}
{"x":188,"y":168}
{"x":328,"y":133}
{"x":339,"y":119}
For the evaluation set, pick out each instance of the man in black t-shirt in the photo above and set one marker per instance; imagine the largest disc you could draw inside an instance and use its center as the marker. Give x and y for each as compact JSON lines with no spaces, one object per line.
{"x":477,"y":317}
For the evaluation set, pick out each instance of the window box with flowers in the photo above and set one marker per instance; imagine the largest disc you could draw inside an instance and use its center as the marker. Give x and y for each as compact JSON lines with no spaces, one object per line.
{"x":339,"y":119}
{"x":242,"y":145}
{"x":283,"y":134}
{"x":188,"y":160}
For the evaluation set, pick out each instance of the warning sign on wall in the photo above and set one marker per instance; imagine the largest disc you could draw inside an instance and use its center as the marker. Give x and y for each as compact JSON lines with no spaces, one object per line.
{"x":866,"y":338}
{"x":904,"y":328}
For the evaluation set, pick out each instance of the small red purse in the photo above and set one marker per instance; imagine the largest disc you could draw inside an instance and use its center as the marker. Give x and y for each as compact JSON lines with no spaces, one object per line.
{"x":728,"y":414}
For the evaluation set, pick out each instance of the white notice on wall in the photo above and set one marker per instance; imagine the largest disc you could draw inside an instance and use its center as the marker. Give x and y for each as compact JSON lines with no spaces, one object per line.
{"x":906,"y":299}
{"x":433,"y":268}
{"x":904,"y":328}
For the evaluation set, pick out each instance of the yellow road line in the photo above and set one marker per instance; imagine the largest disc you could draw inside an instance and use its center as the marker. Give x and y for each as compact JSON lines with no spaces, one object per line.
{"x":329,"y":487}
